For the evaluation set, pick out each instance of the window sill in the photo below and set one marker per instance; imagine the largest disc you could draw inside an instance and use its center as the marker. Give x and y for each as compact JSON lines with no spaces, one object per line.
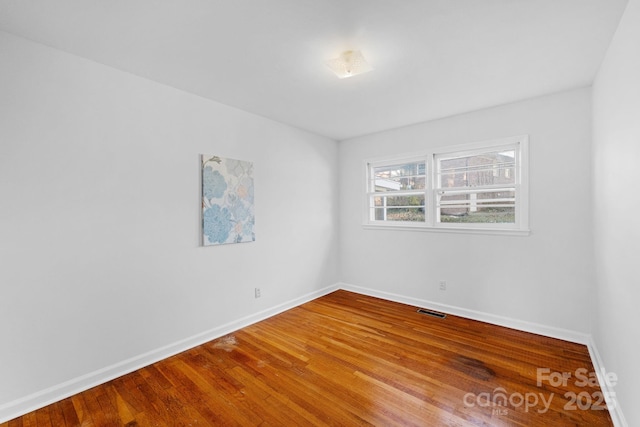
{"x":444,"y":229}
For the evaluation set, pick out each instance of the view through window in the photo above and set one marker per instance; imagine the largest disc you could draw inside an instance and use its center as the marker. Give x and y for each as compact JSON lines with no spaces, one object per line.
{"x":475,"y":186}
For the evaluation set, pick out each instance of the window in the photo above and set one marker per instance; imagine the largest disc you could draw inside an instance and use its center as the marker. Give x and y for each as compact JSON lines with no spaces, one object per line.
{"x":476,"y":187}
{"x":398,"y":191}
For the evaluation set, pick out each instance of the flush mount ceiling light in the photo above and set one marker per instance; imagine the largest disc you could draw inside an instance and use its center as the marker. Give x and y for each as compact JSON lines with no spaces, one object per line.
{"x":349,"y":63}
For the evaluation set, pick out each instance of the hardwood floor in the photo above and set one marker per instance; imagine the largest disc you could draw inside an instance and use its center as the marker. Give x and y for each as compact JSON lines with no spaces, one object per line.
{"x":347,"y":359}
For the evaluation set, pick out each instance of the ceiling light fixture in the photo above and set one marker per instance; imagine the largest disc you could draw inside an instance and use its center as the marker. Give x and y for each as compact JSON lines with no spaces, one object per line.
{"x":349,"y":63}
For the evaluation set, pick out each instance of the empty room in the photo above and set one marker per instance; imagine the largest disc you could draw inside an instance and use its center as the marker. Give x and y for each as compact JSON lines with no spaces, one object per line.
{"x":297,"y":212}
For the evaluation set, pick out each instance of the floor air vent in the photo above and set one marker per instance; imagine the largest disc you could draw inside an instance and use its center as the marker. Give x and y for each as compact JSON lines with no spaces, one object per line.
{"x":432,"y":313}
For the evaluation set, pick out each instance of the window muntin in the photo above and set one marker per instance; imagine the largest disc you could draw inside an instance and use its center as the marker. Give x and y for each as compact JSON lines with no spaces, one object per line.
{"x":481,"y":186}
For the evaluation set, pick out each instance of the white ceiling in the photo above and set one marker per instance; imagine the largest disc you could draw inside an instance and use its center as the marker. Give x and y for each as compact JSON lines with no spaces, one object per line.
{"x":431,"y":58}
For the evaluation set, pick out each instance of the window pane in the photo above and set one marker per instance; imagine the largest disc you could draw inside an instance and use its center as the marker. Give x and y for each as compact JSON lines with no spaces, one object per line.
{"x":405,"y":176}
{"x":399,"y":214}
{"x":399,"y":201}
{"x":399,"y":208}
{"x":483,"y":215}
{"x":404,"y":169}
{"x":491,"y":168}
{"x":399,"y":184}
{"x":478,"y":207}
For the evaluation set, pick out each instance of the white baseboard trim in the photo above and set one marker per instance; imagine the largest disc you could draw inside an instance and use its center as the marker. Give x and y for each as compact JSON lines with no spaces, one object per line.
{"x":521,"y":325}
{"x":42,"y":398}
{"x":609,"y":394}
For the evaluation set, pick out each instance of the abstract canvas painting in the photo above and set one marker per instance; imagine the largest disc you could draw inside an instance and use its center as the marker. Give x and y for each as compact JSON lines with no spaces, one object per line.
{"x":227,"y":201}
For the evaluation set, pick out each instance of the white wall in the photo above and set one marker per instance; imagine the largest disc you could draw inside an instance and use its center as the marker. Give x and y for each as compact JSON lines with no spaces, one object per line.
{"x":545,"y":278}
{"x":100,"y":210}
{"x":616,"y":155}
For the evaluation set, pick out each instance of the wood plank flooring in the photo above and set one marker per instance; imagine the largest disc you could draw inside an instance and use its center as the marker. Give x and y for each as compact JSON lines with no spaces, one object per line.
{"x":348,"y":360}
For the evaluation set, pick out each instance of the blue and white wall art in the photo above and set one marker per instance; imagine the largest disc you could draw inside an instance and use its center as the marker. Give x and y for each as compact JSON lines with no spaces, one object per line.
{"x":227,"y":201}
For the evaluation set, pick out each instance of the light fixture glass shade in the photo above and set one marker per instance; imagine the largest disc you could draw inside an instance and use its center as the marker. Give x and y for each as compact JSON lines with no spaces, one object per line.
{"x":349,"y":63}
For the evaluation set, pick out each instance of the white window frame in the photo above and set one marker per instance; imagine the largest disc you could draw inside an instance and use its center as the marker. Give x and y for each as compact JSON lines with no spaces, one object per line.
{"x":431,"y":156}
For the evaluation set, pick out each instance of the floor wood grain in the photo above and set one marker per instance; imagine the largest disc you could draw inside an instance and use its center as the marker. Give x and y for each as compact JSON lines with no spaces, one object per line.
{"x":348,"y":360}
